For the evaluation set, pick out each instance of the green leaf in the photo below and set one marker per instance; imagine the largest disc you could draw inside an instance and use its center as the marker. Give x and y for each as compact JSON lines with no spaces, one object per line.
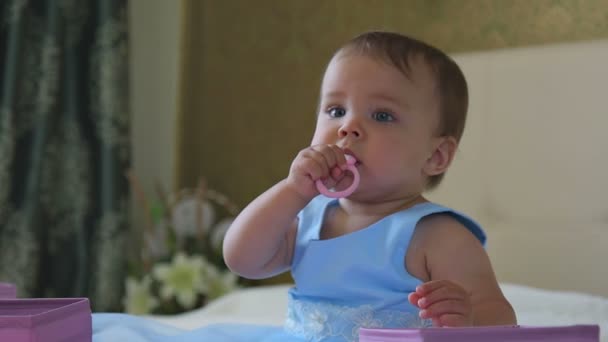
{"x":157,"y":212}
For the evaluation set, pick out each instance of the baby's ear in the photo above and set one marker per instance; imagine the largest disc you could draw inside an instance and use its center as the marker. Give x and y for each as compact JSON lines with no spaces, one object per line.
{"x":442,"y":156}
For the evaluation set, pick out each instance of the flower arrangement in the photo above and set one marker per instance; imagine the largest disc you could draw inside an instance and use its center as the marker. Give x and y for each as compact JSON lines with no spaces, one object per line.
{"x":179,"y":265}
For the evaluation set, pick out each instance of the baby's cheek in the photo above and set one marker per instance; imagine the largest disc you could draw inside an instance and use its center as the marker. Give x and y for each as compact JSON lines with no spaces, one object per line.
{"x":344,"y":181}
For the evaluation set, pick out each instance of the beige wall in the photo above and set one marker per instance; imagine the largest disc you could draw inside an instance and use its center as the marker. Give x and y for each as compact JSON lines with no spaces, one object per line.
{"x":251,"y":69}
{"x":154,"y":28}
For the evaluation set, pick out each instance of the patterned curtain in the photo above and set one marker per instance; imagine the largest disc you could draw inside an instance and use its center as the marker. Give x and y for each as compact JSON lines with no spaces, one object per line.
{"x":64,"y":146}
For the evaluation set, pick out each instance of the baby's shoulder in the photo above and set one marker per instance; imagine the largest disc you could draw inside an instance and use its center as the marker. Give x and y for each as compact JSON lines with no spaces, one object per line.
{"x":438,"y":223}
{"x":440,"y":229}
{"x":439,"y":220}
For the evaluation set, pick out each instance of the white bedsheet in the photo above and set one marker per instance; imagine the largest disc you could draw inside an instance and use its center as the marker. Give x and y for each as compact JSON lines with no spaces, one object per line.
{"x":533,"y":306}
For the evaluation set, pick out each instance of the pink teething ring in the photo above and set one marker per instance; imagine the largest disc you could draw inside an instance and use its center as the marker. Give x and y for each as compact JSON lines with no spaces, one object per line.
{"x":350,"y":165}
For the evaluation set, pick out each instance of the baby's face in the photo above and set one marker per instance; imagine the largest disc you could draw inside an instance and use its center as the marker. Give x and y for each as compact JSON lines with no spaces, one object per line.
{"x":388,"y":121}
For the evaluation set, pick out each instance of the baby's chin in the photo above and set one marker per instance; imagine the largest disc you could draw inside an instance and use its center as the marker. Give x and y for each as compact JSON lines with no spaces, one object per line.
{"x":344,"y":183}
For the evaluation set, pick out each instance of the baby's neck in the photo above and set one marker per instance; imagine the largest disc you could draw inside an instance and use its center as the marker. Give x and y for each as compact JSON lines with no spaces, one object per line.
{"x":379,"y":209}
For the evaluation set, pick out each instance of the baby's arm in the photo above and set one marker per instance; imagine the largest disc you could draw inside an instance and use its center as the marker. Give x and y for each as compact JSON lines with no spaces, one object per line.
{"x":260,"y":242}
{"x":462,"y":288}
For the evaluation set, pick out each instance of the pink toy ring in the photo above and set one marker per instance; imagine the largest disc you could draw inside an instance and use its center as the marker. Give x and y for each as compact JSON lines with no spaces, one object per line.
{"x":350,"y":165}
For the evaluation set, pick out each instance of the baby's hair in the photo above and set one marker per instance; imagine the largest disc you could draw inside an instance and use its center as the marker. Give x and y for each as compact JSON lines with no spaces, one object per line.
{"x":398,"y":50}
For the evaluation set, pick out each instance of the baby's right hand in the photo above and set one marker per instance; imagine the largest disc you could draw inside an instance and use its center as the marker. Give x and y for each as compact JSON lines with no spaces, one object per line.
{"x":316,"y":162}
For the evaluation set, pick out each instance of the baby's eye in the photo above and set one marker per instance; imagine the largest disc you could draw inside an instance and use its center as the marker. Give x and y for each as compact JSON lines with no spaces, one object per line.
{"x":336,"y":112}
{"x":383,"y":116}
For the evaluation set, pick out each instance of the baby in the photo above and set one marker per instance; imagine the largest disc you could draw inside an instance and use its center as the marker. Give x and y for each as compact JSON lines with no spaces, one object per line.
{"x":383,"y":256}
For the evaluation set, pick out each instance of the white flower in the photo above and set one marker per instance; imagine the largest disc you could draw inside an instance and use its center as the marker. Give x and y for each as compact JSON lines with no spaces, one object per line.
{"x":218,"y":233}
{"x":138,"y":299}
{"x":186,"y":215}
{"x":183,"y":278}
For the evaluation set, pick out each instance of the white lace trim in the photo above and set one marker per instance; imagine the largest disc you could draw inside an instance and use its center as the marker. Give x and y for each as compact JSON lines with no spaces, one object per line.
{"x":316,"y":321}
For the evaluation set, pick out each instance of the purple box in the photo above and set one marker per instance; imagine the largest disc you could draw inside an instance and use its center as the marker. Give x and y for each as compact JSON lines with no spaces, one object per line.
{"x":8,"y":290}
{"x":573,"y":333}
{"x":45,"y":320}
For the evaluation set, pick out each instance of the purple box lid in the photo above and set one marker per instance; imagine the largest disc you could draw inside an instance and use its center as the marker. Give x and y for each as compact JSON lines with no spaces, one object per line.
{"x":579,"y":333}
{"x":8,"y":290}
{"x":45,"y":320}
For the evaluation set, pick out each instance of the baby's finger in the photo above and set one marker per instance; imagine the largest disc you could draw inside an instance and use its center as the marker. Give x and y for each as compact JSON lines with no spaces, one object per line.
{"x":319,"y":160}
{"x":329,"y":182}
{"x":442,"y":293}
{"x":339,"y":155}
{"x":316,"y":170}
{"x":336,"y":173}
{"x":452,"y":320}
{"x":413,"y":298}
{"x":431,"y":286}
{"x":443,"y":307}
{"x":436,"y":322}
{"x":328,"y":154}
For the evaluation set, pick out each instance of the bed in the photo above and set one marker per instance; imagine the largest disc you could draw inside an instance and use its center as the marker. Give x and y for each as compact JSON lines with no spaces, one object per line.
{"x":532,"y":169}
{"x":534,"y":306}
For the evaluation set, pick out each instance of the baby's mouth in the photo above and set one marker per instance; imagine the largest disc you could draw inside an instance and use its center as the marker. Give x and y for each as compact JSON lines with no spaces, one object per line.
{"x":351,"y":154}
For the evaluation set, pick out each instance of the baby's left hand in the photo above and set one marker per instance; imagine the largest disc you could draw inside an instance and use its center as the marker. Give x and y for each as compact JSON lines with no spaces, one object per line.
{"x":445,"y":302}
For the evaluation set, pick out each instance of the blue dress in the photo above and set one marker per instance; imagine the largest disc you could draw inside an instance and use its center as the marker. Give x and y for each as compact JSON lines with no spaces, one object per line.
{"x":344,"y":283}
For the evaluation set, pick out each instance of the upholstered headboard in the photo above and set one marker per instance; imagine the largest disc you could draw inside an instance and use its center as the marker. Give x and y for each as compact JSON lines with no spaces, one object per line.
{"x":533,"y":163}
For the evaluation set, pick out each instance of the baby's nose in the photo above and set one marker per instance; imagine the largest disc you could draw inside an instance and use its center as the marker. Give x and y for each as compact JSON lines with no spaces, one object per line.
{"x":350,"y":129}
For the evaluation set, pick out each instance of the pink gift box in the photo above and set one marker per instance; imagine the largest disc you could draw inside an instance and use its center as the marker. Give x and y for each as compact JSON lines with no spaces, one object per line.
{"x":574,"y":333}
{"x":45,"y":320}
{"x":8,"y":290}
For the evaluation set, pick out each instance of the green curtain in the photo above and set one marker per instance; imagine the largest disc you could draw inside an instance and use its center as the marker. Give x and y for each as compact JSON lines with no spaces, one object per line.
{"x":64,"y":147}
